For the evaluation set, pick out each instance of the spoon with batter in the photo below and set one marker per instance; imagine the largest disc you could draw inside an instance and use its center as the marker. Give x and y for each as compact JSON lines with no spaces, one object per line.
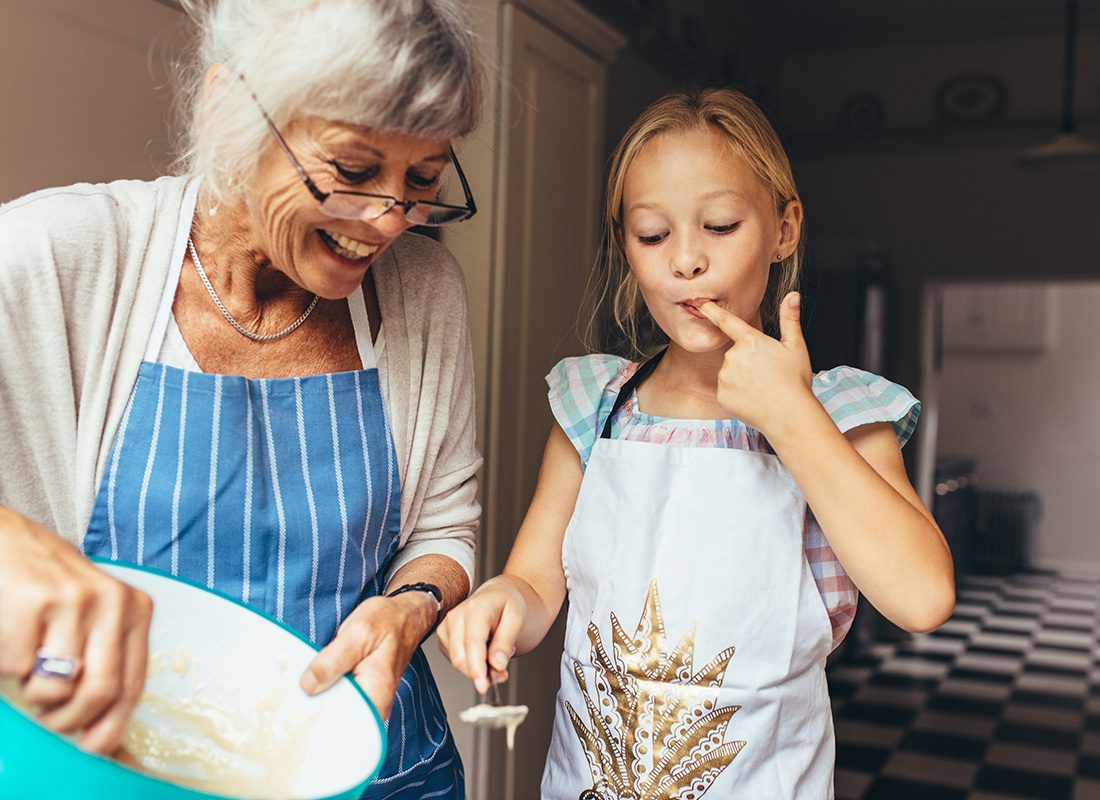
{"x":495,"y":715}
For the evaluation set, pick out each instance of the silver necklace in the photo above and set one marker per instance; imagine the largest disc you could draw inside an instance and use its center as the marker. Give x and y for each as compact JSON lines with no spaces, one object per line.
{"x":241,"y":329}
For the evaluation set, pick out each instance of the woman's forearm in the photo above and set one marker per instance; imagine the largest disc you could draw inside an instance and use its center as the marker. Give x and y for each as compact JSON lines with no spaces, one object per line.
{"x":441,"y":571}
{"x":877,"y":526}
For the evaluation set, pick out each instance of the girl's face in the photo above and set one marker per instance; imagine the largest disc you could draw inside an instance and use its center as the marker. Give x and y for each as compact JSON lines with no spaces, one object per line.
{"x":698,"y":225}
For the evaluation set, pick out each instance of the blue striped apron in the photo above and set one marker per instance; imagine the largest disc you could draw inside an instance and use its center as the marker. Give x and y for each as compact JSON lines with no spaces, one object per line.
{"x":283,"y":493}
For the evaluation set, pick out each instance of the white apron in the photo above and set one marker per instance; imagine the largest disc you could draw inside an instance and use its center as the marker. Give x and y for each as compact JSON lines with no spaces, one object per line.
{"x":694,"y":663}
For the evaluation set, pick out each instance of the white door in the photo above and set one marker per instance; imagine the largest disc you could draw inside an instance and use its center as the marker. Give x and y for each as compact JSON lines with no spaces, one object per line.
{"x":536,"y":167}
{"x":548,"y":213}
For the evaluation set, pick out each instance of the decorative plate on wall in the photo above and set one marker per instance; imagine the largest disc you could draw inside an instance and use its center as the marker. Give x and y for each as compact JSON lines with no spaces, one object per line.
{"x":862,"y":112}
{"x":971,"y":97}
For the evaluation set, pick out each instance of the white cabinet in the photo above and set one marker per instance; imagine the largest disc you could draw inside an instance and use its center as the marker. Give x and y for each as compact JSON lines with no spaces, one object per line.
{"x":1009,"y":317}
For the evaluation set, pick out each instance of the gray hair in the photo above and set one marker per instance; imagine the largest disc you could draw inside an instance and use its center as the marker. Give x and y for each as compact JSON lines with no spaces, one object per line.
{"x":410,"y":66}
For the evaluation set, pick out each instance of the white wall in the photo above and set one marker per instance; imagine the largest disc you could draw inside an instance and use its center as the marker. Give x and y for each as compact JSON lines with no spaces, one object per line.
{"x":1031,"y":421}
{"x":83,"y":91}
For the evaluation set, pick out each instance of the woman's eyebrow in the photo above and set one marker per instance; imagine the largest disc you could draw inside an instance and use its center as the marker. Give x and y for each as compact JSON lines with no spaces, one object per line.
{"x":373,"y":150}
{"x":439,"y":157}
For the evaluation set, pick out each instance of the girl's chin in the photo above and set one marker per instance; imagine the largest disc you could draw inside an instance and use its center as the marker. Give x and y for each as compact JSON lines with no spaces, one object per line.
{"x":700,"y":342}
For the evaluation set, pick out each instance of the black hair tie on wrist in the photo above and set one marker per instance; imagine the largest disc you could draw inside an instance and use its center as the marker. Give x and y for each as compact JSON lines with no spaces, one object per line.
{"x":431,"y":589}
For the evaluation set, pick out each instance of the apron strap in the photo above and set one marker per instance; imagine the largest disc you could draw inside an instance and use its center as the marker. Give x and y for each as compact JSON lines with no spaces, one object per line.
{"x":175,"y":267}
{"x":360,"y":323}
{"x":628,"y":389}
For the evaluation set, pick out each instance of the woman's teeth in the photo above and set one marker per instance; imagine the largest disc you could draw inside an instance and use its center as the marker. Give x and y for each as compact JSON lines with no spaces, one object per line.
{"x":349,"y":248}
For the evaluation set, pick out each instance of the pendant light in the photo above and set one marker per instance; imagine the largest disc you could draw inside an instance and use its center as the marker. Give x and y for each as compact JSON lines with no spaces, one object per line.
{"x":1068,"y":145}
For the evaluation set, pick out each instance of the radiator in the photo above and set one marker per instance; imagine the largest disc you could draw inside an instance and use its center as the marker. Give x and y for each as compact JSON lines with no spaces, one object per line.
{"x":1004,"y":531}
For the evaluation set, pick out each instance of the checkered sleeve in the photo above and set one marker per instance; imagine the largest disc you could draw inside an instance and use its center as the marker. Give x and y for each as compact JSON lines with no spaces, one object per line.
{"x":581,"y":391}
{"x":838,"y":591}
{"x":854,"y":397}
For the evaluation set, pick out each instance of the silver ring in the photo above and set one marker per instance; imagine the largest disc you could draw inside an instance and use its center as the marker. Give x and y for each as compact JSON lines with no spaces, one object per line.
{"x":48,"y":664}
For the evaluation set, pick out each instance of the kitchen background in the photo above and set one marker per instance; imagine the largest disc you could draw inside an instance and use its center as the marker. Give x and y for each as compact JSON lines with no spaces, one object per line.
{"x":947,"y":249}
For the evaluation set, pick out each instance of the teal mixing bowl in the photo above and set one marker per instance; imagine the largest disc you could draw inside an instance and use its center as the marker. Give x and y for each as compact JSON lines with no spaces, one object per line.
{"x":222,"y":712}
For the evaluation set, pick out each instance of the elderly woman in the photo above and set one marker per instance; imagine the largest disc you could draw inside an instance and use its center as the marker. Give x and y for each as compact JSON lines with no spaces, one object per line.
{"x":253,"y":376}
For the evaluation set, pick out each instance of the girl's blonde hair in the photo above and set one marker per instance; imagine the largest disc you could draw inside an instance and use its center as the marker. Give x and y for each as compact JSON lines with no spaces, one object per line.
{"x":613,"y":294}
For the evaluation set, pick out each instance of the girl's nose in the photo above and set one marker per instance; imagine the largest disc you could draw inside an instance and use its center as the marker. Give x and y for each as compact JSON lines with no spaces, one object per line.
{"x":689,"y":258}
{"x":689,"y":266}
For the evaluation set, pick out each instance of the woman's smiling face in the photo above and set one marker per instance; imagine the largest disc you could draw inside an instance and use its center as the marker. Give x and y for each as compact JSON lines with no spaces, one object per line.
{"x":698,"y":224}
{"x":327,"y":256}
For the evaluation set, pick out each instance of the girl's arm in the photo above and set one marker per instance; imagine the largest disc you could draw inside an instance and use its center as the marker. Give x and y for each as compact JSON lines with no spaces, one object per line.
{"x":512,"y":612}
{"x":856,"y":484}
{"x":876,"y":524}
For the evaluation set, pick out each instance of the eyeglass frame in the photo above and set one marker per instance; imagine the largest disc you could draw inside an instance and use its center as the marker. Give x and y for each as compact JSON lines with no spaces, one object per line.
{"x":405,"y":205}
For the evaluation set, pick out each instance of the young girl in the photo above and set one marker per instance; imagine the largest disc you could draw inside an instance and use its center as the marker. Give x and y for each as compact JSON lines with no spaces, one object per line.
{"x":712,"y":510}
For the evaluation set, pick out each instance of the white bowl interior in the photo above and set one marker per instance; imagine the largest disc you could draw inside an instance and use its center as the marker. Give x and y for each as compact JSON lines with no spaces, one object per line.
{"x":227,"y":677}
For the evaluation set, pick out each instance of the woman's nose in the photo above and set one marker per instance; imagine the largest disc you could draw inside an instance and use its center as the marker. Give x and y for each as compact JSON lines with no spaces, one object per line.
{"x":391,"y":223}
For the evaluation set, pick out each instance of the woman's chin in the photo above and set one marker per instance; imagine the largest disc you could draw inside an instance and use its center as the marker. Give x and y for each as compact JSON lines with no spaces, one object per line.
{"x":333,"y":287}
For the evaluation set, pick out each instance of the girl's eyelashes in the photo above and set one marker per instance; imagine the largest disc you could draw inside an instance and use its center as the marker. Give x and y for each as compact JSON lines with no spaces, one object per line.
{"x":721,"y":230}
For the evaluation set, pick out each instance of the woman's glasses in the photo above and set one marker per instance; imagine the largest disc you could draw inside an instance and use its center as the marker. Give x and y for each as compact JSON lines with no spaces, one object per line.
{"x":342,"y":204}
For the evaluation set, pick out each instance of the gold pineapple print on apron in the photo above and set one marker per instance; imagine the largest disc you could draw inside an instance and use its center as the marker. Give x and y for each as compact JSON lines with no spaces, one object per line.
{"x":656,"y":732}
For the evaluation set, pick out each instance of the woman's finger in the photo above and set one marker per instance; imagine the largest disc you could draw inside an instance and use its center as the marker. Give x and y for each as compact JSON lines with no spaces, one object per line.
{"x":104,"y":735}
{"x":63,"y":637}
{"x":100,"y":681}
{"x":20,"y":633}
{"x":379,"y":684}
{"x":337,"y":659}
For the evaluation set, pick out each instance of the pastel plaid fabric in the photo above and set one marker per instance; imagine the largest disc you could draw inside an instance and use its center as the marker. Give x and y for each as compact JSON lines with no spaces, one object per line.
{"x":583,"y":391}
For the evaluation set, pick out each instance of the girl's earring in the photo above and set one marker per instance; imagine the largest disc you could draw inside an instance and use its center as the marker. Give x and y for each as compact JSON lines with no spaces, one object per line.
{"x":213,"y":211}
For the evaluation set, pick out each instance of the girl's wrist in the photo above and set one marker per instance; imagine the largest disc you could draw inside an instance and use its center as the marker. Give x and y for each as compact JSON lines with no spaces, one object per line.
{"x":804,"y":416}
{"x":517,"y":589}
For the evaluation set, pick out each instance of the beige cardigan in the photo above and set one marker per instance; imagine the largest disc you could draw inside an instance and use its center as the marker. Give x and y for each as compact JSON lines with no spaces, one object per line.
{"x":82,"y":271}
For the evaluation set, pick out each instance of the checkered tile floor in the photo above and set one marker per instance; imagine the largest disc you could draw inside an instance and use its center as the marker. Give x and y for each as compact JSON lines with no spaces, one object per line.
{"x":1001,"y":702}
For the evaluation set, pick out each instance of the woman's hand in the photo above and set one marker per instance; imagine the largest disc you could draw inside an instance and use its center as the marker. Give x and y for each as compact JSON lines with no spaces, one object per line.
{"x":375,"y":643}
{"x":52,"y":597}
{"x":763,"y":381}
{"x":479,"y":636}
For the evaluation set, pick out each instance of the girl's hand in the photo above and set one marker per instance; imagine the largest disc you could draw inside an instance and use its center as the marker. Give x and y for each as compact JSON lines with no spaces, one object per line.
{"x":53,"y":597}
{"x":763,"y":381}
{"x":479,"y":636}
{"x":375,"y":643}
